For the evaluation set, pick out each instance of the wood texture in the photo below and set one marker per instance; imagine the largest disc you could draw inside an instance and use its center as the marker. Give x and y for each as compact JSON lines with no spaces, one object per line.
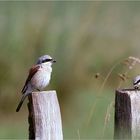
{"x":127,"y":114}
{"x":46,"y":117}
{"x":30,"y":119}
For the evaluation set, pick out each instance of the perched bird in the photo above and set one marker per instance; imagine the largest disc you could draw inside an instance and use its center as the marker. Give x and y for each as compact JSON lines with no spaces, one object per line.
{"x":136,"y":82}
{"x":38,"y":78}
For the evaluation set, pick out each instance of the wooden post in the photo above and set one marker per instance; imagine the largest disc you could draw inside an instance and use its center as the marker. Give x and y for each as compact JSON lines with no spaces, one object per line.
{"x":44,"y":116}
{"x":127,"y":114}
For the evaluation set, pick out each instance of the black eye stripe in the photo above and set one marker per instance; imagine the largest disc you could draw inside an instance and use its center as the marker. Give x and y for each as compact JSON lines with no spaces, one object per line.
{"x":46,"y":60}
{"x":136,"y":82}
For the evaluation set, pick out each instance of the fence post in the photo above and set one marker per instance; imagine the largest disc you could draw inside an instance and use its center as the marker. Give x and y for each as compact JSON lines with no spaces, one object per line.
{"x":127,"y":114}
{"x":44,"y":116}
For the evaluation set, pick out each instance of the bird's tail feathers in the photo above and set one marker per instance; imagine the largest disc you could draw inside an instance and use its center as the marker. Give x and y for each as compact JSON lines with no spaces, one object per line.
{"x":21,"y":101}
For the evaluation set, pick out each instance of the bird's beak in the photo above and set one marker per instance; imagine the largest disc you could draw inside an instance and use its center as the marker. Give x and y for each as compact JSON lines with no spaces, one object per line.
{"x":53,"y":61}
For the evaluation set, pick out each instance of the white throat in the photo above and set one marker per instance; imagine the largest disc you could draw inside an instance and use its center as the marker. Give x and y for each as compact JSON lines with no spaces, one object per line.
{"x":47,"y":66}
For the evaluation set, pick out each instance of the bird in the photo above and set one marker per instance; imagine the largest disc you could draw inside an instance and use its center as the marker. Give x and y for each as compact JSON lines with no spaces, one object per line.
{"x":38,"y":78}
{"x":136,"y":82}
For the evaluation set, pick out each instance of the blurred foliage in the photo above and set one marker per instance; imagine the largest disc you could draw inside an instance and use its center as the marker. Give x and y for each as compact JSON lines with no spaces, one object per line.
{"x":87,"y":39}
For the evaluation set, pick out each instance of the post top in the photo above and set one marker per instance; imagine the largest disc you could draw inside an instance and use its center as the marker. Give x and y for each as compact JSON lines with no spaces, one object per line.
{"x":46,"y":92}
{"x":43,"y":93}
{"x":130,"y":92}
{"x":127,"y":89}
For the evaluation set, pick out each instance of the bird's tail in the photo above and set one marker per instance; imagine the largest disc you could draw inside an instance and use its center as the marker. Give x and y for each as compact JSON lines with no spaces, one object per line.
{"x":21,"y":101}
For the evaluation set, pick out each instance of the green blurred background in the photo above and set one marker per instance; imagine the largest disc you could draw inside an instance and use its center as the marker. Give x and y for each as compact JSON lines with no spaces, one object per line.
{"x":89,"y":40}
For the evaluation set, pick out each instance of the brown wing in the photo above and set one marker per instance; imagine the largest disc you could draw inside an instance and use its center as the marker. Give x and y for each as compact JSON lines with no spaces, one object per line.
{"x":32,"y":71}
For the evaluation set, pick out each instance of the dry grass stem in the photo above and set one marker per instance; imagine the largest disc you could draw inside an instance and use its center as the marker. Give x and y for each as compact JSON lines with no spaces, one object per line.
{"x":107,"y":116}
{"x":78,"y":133}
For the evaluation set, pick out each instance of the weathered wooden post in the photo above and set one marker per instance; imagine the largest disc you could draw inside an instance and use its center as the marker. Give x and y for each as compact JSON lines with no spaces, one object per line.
{"x":44,"y":116}
{"x":127,"y":114}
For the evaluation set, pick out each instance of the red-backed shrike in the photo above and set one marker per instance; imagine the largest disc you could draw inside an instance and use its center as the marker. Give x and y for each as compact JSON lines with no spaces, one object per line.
{"x":38,"y":78}
{"x":136,"y":82}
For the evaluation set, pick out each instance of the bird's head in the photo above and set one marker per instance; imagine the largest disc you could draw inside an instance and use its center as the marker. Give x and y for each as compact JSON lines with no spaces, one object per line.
{"x":136,"y":82}
{"x":46,"y":59}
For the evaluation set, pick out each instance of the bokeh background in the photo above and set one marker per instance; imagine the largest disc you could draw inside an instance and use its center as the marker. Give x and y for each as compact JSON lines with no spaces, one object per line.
{"x":91,"y":42}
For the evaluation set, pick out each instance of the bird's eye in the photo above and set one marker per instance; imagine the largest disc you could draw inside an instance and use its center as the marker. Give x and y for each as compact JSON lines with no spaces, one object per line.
{"x":46,"y":60}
